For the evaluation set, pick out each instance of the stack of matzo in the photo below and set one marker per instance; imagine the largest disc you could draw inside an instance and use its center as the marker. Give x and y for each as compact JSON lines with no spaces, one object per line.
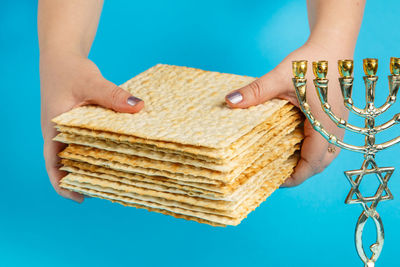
{"x":186,"y":154}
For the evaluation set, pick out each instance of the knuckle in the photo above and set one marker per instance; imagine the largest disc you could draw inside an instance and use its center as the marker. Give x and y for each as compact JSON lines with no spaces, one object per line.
{"x":315,"y":166}
{"x":318,"y":167}
{"x":58,"y":190}
{"x":115,"y":96}
{"x":256,"y":90}
{"x":295,"y":183}
{"x":292,"y":98}
{"x":88,"y":84}
{"x":56,"y":186}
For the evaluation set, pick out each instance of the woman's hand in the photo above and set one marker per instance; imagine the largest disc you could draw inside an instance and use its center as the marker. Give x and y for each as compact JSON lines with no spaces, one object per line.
{"x":68,"y":81}
{"x":330,"y":39}
{"x":315,"y":156}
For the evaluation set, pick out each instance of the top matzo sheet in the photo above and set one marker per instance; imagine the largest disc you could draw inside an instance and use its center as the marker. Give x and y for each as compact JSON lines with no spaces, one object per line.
{"x":182,"y":105}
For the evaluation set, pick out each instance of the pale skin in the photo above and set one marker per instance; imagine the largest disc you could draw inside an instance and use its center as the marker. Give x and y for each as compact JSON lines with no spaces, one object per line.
{"x":69,"y":79}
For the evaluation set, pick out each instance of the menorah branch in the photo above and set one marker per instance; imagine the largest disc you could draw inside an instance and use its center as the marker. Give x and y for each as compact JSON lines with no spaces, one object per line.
{"x":353,"y":109}
{"x":389,"y":102}
{"x":300,"y":88}
{"x":394,"y":84}
{"x":346,"y":85}
{"x":321,"y":86}
{"x":395,"y":120}
{"x":388,"y":144}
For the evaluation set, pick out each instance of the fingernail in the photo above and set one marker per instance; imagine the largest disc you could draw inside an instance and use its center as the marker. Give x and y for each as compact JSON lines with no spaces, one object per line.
{"x":132,"y":101}
{"x":235,"y":97}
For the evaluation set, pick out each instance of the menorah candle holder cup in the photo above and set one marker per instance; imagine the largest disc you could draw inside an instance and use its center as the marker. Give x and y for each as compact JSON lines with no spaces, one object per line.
{"x":369,"y":150}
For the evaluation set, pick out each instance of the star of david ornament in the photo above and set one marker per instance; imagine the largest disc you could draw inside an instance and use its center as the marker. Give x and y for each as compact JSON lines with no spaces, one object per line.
{"x":355,"y":178}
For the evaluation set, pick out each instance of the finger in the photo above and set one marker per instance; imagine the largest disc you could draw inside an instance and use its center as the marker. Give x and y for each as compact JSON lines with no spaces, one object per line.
{"x":265,"y":88}
{"x":50,"y":151}
{"x":316,"y":154}
{"x":55,"y":177}
{"x":312,"y":157}
{"x":111,"y":96}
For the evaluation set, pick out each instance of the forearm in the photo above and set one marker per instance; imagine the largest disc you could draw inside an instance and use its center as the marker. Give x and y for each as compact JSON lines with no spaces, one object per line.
{"x":335,"y":24}
{"x":68,"y":26}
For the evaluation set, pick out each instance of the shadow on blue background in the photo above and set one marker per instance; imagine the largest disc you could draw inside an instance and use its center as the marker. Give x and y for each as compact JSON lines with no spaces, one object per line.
{"x":305,"y":226}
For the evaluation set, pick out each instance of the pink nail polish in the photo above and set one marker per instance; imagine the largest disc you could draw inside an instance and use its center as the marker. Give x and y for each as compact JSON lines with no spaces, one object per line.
{"x":132,"y":101}
{"x":235,"y":97}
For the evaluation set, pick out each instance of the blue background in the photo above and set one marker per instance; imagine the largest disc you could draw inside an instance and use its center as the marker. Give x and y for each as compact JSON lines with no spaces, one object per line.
{"x":305,"y":226}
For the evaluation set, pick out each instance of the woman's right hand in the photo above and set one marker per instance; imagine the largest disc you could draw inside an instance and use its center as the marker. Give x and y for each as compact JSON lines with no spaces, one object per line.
{"x":68,"y":81}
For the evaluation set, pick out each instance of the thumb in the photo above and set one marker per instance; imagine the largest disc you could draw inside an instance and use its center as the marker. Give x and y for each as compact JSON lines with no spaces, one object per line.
{"x":257,"y":92}
{"x":114,"y":97}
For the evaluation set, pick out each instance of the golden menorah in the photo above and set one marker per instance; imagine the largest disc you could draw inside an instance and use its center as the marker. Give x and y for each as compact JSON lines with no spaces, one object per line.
{"x":369,"y":113}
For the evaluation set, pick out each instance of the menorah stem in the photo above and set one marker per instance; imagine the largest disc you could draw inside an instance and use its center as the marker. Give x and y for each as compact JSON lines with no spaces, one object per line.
{"x":370,"y":138}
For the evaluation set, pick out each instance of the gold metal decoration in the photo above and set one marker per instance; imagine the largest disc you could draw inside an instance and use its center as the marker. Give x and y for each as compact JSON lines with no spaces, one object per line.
{"x":369,"y":113}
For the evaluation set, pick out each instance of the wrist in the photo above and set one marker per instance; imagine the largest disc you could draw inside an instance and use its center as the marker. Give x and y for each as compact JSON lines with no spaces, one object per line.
{"x":60,"y":51}
{"x":331,"y":45}
{"x":333,"y":40}
{"x":58,"y":56}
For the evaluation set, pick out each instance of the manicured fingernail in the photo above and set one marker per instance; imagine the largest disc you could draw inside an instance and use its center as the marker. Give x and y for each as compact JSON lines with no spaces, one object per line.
{"x":132,"y":101}
{"x":235,"y":97}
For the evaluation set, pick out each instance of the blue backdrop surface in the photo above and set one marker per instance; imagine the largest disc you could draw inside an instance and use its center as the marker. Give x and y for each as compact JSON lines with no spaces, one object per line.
{"x":304,"y":226}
